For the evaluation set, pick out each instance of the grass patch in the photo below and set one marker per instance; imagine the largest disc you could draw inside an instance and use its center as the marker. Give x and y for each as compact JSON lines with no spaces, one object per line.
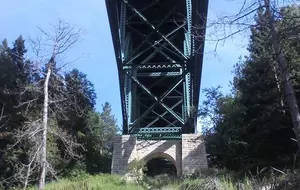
{"x":96,"y":182}
{"x":209,"y":180}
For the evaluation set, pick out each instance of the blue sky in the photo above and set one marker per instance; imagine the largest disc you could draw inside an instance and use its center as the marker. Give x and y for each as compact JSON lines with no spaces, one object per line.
{"x":96,"y":50}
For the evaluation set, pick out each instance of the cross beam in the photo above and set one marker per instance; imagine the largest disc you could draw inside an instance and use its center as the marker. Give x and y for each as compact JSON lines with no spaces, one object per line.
{"x":163,"y":114}
{"x":155,"y":29}
{"x":159,"y":116}
{"x":157,"y":100}
{"x":148,"y":36}
{"x":163,"y":45}
{"x":153,"y":66}
{"x":159,"y":70}
{"x":135,"y":55}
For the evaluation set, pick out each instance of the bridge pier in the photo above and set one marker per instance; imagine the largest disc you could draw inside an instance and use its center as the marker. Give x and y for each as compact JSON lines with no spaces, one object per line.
{"x":188,"y":154}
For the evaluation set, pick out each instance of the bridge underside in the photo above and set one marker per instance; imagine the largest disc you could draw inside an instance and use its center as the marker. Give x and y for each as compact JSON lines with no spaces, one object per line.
{"x":159,"y":62}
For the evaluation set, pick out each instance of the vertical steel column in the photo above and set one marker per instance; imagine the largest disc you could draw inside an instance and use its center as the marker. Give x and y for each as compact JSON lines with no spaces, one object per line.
{"x":187,"y":51}
{"x":137,"y":109}
{"x":125,"y":51}
{"x":189,"y":22}
{"x":133,"y":97}
{"x":188,"y":91}
{"x":128,"y":94}
{"x":122,"y":31}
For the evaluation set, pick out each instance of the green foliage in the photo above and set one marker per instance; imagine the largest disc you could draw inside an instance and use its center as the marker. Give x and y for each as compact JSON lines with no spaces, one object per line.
{"x":137,"y":166}
{"x":136,"y":171}
{"x":76,"y":174}
{"x":14,"y":74}
{"x":251,"y":127}
{"x":217,"y":181}
{"x":97,"y":182}
{"x":98,"y":139}
{"x":71,"y":113}
{"x":249,"y":130}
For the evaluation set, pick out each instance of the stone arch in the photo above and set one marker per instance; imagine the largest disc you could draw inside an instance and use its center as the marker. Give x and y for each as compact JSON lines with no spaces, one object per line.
{"x":164,"y":155}
{"x":187,"y":154}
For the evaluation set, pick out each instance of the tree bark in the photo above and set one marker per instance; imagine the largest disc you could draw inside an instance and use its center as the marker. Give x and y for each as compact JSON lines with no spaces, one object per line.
{"x":42,"y":177}
{"x":278,"y":86}
{"x":285,"y":73}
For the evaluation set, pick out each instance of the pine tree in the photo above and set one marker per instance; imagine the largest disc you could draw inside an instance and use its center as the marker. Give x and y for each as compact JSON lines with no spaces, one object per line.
{"x":254,"y":127}
{"x":101,"y":128}
{"x":14,"y":74}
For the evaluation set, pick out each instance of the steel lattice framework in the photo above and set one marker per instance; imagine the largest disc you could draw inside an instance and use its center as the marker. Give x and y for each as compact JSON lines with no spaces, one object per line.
{"x":159,"y":63}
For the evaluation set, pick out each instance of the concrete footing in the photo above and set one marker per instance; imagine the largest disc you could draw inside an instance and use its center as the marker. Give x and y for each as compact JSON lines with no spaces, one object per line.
{"x":187,"y":154}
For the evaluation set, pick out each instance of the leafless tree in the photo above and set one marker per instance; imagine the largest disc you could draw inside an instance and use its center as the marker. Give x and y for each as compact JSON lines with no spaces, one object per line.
{"x":3,"y":118}
{"x":64,"y":37}
{"x":49,"y":50}
{"x":227,"y":26}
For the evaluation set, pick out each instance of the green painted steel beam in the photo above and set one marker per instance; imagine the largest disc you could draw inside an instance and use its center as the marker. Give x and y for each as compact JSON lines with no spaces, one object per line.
{"x":143,"y":9}
{"x":135,"y":53}
{"x":161,"y":130}
{"x":174,"y":123}
{"x":159,"y":138}
{"x":158,"y":133}
{"x":163,"y":46}
{"x":122,"y":32}
{"x":158,"y":82}
{"x":156,"y":42}
{"x":166,"y":65}
{"x":188,"y":35}
{"x":160,"y":74}
{"x":168,"y":97}
{"x":158,"y":100}
{"x":155,"y":29}
{"x":128,"y":98}
{"x":159,"y":116}
{"x":151,"y":50}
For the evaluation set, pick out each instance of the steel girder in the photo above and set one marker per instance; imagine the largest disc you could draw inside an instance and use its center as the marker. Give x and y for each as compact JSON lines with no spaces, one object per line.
{"x":158,"y":46}
{"x":146,"y":67}
{"x":157,"y":101}
{"x":152,"y":45}
{"x":157,"y":133}
{"x":155,"y":29}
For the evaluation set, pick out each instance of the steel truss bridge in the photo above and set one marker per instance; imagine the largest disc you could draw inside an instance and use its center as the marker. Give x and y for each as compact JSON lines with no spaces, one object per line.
{"x":159,"y":51}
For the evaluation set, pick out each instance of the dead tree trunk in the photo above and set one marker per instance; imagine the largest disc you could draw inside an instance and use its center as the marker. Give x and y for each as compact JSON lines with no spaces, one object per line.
{"x":278,"y":85}
{"x":36,"y":128}
{"x":285,"y":73}
{"x":42,"y":177}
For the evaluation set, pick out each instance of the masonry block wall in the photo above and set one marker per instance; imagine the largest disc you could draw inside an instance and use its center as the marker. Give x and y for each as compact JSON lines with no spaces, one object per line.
{"x":187,"y":154}
{"x":193,"y":153}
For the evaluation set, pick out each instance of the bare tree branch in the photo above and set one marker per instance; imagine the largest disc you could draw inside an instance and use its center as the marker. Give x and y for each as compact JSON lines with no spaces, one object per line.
{"x":51,"y":90}
{"x":243,"y":20}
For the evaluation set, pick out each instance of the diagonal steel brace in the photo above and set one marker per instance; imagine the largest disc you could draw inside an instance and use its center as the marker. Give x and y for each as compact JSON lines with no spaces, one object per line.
{"x":152,"y":45}
{"x":143,"y":9}
{"x":157,"y":42}
{"x":154,"y":28}
{"x":158,"y":100}
{"x":149,"y":35}
{"x":163,"y":114}
{"x":159,"y":116}
{"x":159,"y":49}
{"x":172,"y":124}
